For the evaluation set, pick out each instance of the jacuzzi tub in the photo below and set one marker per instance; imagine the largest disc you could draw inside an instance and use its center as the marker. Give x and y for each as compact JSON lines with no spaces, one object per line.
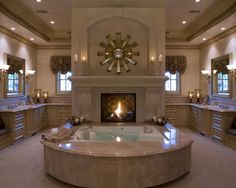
{"x":118,"y":133}
{"x":124,"y":164}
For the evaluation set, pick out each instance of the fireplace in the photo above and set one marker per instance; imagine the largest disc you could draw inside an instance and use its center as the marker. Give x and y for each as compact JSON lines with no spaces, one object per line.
{"x":118,"y":107}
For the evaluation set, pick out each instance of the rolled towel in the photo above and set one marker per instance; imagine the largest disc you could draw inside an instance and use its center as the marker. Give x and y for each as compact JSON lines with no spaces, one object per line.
{"x":148,"y":129}
{"x":58,"y":134}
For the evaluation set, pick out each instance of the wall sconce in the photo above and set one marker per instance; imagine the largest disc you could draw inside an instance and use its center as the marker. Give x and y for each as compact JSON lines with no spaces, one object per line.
{"x":83,"y":60}
{"x":45,"y":96}
{"x":198,"y":93}
{"x":29,"y":74}
{"x":232,"y":70}
{"x":3,"y":70}
{"x":190,"y":95}
{"x":206,"y":73}
{"x":160,"y":58}
{"x":76,"y":58}
{"x":37,"y":93}
{"x":152,"y":60}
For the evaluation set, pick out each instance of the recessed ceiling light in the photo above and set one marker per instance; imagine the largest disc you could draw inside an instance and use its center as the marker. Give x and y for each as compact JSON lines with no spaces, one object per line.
{"x":197,"y":1}
{"x":184,"y":22}
{"x":39,"y":1}
{"x":32,"y":38}
{"x":52,"y":22}
{"x":13,"y":28}
{"x":222,"y":28}
{"x":203,"y":38}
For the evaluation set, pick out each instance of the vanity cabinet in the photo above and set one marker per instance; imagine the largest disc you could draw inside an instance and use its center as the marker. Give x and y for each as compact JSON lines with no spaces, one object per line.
{"x":204,"y":122}
{"x":16,"y":122}
{"x":36,"y":120}
{"x":220,"y":122}
{"x":177,"y":115}
{"x":194,"y":117}
{"x":58,"y":115}
{"x":53,"y":116}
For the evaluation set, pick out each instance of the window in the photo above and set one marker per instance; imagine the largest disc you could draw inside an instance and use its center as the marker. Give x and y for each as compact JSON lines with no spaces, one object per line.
{"x":63,"y":84}
{"x":172,"y":85}
{"x":223,"y":83}
{"x":12,"y":84}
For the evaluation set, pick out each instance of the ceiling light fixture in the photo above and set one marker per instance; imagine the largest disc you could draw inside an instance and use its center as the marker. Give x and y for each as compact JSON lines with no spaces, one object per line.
{"x":52,"y":22}
{"x":38,"y":1}
{"x":204,"y":39}
{"x":31,"y":38}
{"x":222,"y":28}
{"x":197,"y":1}
{"x":184,"y":22}
{"x":13,"y":28}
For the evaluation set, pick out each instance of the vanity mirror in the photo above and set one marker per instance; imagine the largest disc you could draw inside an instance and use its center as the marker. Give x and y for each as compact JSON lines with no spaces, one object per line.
{"x":15,"y":77}
{"x":220,"y":79}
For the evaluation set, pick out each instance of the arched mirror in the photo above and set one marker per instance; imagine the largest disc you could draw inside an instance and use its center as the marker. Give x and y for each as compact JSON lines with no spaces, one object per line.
{"x":220,"y":79}
{"x":15,"y":77}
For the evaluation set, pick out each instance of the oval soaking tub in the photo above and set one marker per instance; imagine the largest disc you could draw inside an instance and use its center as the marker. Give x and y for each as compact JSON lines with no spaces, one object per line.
{"x":139,"y":158}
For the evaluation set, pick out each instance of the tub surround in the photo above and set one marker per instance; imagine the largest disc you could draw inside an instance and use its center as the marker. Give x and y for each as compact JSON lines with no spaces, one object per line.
{"x":127,"y":164}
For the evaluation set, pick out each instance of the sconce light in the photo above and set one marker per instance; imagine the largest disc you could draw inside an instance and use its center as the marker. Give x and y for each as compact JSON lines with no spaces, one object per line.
{"x":206,"y":73}
{"x":83,"y":60}
{"x":3,"y":70}
{"x":37,"y":93}
{"x":232,"y":69}
{"x":160,"y":58}
{"x":76,"y":58}
{"x":152,"y":60}
{"x":190,"y":95}
{"x":45,"y":96}
{"x":198,"y":94}
{"x":29,"y":74}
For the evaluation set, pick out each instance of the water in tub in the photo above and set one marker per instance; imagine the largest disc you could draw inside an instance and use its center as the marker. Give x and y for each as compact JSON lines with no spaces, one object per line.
{"x":117,"y":134}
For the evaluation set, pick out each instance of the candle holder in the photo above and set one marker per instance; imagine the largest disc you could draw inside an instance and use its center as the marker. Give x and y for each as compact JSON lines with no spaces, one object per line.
{"x":45,"y":96}
{"x":198,"y":94}
{"x":37,"y":93}
{"x":190,"y":95}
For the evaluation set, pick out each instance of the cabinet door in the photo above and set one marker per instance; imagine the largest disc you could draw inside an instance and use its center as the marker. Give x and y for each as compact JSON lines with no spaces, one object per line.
{"x":194,"y":117}
{"x":182,"y":116}
{"x":171,"y":114}
{"x":65,"y":114}
{"x":204,"y":122}
{"x":53,"y":116}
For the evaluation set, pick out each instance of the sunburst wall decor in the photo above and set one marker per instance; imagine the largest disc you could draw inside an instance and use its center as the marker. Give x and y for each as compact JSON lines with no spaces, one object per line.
{"x":118,"y":53}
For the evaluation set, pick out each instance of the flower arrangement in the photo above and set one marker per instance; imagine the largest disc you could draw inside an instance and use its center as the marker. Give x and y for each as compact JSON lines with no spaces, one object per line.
{"x":161,"y":120}
{"x":76,"y":120}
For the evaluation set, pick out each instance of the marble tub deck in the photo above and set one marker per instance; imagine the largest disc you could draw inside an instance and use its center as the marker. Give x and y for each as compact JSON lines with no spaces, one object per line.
{"x":100,"y":164}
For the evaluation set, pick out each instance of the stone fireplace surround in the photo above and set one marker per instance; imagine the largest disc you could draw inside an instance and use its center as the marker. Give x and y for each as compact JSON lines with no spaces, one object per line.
{"x":87,"y":90}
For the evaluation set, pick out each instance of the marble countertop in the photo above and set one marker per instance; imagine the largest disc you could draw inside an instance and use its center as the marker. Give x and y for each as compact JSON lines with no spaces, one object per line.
{"x":204,"y":106}
{"x":31,"y":106}
{"x":173,"y":140}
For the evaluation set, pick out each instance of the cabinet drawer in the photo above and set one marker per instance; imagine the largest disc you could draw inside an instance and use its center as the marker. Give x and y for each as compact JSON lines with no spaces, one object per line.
{"x":218,"y":134}
{"x":19,"y":134}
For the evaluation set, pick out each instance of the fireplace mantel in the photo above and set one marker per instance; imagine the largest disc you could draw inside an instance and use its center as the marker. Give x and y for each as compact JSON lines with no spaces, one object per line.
{"x":118,"y":81}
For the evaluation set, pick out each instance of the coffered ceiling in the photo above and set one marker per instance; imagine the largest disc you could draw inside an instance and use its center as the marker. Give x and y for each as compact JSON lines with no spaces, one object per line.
{"x":32,"y":19}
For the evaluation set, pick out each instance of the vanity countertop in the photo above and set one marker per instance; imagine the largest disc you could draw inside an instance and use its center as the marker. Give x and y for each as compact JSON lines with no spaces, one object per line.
{"x":204,"y":106}
{"x":31,"y":106}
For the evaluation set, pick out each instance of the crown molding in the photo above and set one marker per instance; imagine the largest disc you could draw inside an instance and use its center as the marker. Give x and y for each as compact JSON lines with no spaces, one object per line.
{"x":218,"y":37}
{"x":181,"y":46}
{"x":17,"y":37}
{"x":22,"y":22}
{"x":44,"y":47}
{"x":215,"y":21}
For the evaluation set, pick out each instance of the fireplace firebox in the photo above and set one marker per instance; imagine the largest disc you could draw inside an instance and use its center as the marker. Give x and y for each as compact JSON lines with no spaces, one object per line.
{"x":118,"y":107}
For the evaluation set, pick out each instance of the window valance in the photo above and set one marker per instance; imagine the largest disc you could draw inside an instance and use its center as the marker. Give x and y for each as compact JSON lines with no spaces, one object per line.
{"x":16,"y":64}
{"x":220,"y":64}
{"x":176,"y":63}
{"x":60,"y":64}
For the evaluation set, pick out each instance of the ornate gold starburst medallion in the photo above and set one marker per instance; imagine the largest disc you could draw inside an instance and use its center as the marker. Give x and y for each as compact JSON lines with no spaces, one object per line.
{"x":118,"y":53}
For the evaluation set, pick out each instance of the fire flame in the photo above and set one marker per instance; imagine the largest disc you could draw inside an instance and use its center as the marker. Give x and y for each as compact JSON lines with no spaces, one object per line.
{"x":118,"y":110}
